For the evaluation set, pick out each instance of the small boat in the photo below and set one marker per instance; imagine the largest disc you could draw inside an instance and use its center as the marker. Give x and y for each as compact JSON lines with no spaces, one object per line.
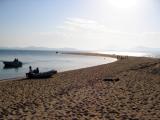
{"x":12,"y":64}
{"x":41,"y":75}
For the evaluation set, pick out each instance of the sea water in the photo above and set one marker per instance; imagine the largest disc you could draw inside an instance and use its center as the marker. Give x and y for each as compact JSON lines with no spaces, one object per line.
{"x":45,"y":61}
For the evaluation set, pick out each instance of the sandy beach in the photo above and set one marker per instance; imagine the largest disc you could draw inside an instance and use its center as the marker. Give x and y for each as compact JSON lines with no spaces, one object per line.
{"x":83,"y":94}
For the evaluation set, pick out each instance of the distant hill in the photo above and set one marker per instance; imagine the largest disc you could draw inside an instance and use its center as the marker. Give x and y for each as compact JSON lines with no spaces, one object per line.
{"x":37,"y":48}
{"x":135,"y":49}
{"x":145,"y":49}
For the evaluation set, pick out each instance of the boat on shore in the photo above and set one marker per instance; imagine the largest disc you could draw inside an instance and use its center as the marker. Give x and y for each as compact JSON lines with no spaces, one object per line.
{"x":41,"y":74}
{"x":12,"y":64}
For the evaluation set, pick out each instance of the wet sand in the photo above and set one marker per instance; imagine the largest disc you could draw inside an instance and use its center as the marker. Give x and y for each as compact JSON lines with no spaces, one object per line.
{"x":84,"y":95}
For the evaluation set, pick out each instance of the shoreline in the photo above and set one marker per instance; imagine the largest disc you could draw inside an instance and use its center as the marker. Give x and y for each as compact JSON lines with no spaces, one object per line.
{"x":84,"y":54}
{"x":90,"y":54}
{"x":83,"y":93}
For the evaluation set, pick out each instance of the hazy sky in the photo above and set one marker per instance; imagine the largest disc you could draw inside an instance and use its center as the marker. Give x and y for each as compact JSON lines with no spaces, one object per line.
{"x":82,"y":24}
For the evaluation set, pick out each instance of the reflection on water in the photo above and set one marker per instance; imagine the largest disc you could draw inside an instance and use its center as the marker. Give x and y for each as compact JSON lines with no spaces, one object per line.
{"x":7,"y":68}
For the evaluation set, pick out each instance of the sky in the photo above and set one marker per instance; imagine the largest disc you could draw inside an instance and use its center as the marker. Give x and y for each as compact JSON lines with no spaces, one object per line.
{"x":80,"y":24}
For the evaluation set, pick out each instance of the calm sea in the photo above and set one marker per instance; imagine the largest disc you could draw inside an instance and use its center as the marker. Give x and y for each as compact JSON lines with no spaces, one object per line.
{"x":46,"y":60}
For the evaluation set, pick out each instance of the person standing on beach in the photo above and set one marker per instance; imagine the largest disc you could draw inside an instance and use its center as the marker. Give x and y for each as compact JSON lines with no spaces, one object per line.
{"x":37,"y":70}
{"x":30,"y":69}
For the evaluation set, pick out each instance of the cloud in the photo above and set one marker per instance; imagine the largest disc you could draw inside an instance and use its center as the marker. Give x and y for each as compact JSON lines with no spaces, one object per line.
{"x":78,"y":31}
{"x":82,"y":24}
{"x":89,"y":34}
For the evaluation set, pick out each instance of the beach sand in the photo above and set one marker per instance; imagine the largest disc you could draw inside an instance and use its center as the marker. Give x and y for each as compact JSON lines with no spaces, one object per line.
{"x":84,"y":95}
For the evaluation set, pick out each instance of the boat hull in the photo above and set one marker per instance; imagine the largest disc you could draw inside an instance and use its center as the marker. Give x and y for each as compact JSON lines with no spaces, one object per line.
{"x":41,"y":75}
{"x":12,"y":64}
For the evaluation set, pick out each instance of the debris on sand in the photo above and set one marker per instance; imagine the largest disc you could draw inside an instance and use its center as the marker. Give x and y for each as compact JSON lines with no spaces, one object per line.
{"x":111,"y":78}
